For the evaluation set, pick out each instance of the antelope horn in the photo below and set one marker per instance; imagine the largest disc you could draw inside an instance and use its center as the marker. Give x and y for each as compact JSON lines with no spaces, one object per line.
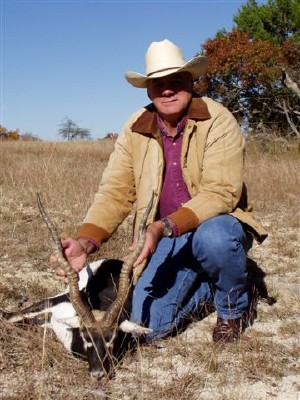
{"x":113,"y":312}
{"x":81,"y":308}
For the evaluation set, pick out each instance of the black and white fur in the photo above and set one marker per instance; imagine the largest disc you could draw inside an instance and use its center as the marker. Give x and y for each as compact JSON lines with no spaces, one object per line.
{"x":98,"y":283}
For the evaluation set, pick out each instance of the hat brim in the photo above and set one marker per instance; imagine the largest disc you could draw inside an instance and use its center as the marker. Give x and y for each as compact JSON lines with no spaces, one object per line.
{"x":196,"y":67}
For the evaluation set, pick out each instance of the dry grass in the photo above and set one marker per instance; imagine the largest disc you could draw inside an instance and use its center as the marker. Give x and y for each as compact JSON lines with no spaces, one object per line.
{"x":273,"y":180}
{"x":33,"y":365}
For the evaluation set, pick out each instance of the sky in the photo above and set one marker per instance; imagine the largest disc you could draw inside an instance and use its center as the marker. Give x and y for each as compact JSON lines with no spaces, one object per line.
{"x":64,"y":58}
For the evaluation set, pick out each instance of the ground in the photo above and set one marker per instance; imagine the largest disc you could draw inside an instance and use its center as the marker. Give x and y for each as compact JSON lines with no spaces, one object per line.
{"x":264,"y":365}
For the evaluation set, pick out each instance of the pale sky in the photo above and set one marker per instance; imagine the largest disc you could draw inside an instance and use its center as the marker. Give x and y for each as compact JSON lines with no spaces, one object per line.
{"x":65,"y":58}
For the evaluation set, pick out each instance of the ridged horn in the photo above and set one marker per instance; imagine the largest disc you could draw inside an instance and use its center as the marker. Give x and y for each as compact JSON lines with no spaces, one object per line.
{"x":81,"y":308}
{"x":111,"y":315}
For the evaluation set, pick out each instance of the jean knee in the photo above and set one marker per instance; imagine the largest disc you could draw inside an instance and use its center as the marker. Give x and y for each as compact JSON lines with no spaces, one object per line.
{"x":217,"y":232}
{"x":217,"y":238}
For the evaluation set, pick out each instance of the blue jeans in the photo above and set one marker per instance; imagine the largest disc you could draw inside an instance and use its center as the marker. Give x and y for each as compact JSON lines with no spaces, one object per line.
{"x":184,"y":273}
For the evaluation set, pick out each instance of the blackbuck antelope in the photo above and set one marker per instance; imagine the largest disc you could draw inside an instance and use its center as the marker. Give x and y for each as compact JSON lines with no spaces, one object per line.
{"x":90,"y":317}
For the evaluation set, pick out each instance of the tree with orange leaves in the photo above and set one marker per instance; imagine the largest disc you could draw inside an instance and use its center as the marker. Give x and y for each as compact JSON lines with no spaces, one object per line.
{"x":246,"y":75}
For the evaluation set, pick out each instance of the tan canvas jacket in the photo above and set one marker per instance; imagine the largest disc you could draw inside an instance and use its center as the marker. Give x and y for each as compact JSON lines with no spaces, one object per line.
{"x":212,"y":164}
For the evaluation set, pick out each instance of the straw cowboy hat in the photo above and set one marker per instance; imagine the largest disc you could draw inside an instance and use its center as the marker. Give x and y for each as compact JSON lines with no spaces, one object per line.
{"x":165,"y":58}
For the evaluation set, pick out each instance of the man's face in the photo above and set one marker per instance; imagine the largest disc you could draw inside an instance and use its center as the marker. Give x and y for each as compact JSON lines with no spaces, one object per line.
{"x":171,"y":94}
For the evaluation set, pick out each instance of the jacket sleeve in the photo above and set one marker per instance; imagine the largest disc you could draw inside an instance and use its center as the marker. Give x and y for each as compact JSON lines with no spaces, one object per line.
{"x":116,"y":193}
{"x":221,"y":181}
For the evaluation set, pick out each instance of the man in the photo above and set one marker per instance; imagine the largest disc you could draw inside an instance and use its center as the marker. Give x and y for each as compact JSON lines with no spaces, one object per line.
{"x":189,"y":151}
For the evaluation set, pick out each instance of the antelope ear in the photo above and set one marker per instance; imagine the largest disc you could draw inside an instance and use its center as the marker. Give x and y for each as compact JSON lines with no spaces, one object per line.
{"x":131,"y":327}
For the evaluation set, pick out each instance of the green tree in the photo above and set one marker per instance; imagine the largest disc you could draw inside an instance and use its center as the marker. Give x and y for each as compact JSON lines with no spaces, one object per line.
{"x":69,"y":130}
{"x":275,"y":21}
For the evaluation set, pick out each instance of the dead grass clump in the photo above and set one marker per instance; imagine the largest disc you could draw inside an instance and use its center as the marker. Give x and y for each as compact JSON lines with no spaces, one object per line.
{"x":289,"y":329}
{"x":266,"y":358}
{"x":43,"y":370}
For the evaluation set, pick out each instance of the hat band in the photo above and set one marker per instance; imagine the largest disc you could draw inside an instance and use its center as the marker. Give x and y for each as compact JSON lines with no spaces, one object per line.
{"x":161,"y":70}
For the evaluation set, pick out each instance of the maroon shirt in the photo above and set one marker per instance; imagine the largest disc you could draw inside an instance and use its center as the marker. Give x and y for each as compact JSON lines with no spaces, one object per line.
{"x":174,"y":191}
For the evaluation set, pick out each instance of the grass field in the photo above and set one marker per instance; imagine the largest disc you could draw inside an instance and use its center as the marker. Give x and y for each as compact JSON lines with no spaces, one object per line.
{"x":33,"y":365}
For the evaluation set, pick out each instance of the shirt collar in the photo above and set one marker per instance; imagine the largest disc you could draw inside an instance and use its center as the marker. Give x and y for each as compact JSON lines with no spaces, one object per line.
{"x":147,"y":123}
{"x":180,"y":126}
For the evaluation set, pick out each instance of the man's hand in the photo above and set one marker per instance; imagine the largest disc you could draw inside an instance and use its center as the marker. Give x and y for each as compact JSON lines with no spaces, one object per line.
{"x":75,"y":255}
{"x":154,"y":233}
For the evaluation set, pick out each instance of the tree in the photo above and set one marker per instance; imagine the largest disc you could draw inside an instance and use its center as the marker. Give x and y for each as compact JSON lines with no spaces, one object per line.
{"x":111,"y":135}
{"x":239,"y":70}
{"x":291,"y":63}
{"x":6,"y":134}
{"x":276,"y":21}
{"x":254,"y":70}
{"x":246,"y":76}
{"x":69,"y":130}
{"x":15,"y":135}
{"x":29,"y":137}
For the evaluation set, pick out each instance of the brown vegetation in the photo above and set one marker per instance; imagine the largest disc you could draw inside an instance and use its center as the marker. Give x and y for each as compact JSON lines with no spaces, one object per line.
{"x":33,"y":365}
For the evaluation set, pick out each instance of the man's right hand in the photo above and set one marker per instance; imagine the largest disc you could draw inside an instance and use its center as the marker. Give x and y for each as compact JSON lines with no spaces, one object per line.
{"x":75,"y":255}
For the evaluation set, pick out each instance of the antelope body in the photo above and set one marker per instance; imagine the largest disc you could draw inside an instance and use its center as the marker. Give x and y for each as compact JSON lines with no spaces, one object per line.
{"x":89,"y":318}
{"x":98,"y":284}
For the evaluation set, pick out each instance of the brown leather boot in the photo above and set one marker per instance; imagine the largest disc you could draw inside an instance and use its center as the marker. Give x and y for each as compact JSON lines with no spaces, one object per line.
{"x":227,"y":330}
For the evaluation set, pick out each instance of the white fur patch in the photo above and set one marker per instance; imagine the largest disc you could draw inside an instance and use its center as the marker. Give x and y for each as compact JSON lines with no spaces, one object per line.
{"x":131,"y":327}
{"x":65,"y":313}
{"x":86,"y":273}
{"x":63,"y":332}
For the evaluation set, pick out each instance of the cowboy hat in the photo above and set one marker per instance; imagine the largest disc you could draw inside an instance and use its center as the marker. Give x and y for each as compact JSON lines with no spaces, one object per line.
{"x":165,"y":58}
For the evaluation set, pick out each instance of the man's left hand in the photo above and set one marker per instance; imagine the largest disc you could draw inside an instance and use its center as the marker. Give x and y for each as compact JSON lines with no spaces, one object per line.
{"x":154,"y":233}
